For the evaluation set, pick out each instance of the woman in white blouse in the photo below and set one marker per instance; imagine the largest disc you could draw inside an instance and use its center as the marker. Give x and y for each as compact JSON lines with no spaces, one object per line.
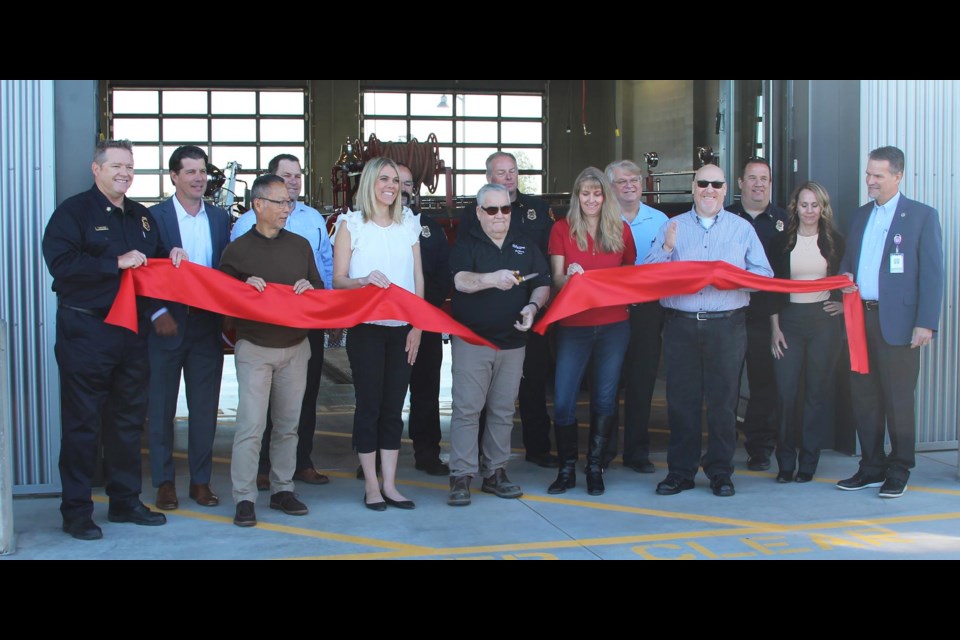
{"x":378,"y":244}
{"x":805,"y":332}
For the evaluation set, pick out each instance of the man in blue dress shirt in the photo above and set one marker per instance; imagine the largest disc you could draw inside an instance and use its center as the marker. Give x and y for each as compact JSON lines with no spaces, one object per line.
{"x":895,"y":255}
{"x":307,"y":222}
{"x":646,"y":324}
{"x":705,"y":336}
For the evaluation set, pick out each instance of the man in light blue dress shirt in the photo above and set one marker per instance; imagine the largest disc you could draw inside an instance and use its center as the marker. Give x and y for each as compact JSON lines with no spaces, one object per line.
{"x":705,"y":336}
{"x":895,"y":255}
{"x":646,"y":324}
{"x":307,"y":222}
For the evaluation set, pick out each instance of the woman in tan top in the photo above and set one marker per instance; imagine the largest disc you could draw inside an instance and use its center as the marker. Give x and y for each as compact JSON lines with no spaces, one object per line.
{"x":806,"y":330}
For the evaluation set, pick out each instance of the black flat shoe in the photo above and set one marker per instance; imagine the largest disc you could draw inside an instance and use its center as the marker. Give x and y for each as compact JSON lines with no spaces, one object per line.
{"x":785,"y":477}
{"x":374,"y":506}
{"x":399,"y":504}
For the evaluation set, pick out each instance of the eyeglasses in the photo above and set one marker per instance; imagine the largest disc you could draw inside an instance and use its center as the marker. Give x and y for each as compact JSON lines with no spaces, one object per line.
{"x":716,"y":184}
{"x":492,"y":211}
{"x":624,"y":181}
{"x":288,"y":204}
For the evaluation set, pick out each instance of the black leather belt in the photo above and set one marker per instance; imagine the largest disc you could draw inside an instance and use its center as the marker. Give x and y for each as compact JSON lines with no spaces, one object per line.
{"x":96,"y":313}
{"x":704,"y":315}
{"x":871,"y":305}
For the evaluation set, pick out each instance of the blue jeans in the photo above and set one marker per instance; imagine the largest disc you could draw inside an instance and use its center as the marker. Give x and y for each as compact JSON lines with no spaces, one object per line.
{"x":607,"y":344}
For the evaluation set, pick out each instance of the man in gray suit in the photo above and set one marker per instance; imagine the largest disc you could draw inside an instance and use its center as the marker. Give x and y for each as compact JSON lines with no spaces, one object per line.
{"x":895,"y":255}
{"x":186,"y":339}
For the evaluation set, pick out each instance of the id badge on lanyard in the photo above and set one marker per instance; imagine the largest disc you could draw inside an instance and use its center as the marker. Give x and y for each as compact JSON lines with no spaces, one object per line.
{"x":896,"y":258}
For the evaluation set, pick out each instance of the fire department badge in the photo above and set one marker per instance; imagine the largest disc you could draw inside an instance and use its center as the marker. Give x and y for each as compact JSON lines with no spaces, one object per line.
{"x":425,"y":231}
{"x":145,"y":222}
{"x":531,"y":214}
{"x":779,"y":225}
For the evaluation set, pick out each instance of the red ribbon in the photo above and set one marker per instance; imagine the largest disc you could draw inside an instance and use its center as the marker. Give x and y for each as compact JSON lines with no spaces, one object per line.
{"x":215,"y":291}
{"x":644,"y":283}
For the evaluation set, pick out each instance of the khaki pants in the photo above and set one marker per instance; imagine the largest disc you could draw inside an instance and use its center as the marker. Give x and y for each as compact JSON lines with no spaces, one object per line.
{"x":482,"y":377}
{"x":277,"y":376}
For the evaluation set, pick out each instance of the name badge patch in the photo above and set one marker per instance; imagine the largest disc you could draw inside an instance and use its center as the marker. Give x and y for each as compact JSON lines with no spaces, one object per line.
{"x":896,"y":263}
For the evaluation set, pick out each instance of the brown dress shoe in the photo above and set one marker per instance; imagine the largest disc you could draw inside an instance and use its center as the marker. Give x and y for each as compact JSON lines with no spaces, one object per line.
{"x":263,"y":482}
{"x":167,"y":497}
{"x":203,"y":496}
{"x":311,"y":476}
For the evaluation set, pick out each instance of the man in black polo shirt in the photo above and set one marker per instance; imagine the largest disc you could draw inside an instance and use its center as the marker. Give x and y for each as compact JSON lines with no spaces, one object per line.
{"x":768,"y":220}
{"x":531,"y":216}
{"x":104,"y":369}
{"x":501,"y":280}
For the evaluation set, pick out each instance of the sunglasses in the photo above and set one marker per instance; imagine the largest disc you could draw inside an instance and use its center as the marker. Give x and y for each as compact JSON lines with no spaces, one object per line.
{"x":492,"y":211}
{"x":716,"y":184}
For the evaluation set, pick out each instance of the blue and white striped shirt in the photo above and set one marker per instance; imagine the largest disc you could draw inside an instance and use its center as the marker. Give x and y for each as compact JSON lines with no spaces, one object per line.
{"x":731,"y":239}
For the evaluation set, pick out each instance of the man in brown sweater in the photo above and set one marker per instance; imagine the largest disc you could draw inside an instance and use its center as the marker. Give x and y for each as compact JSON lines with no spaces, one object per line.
{"x":271,"y":360}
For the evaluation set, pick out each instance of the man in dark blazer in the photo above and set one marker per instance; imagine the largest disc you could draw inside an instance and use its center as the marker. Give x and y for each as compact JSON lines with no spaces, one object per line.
{"x":895,"y":255}
{"x":186,"y":339}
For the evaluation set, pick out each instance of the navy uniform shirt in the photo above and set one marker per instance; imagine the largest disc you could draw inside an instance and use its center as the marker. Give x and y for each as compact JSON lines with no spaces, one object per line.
{"x":492,"y":312}
{"x":531,"y":215}
{"x":82,"y":241}
{"x":435,"y":260}
{"x":769,"y":225}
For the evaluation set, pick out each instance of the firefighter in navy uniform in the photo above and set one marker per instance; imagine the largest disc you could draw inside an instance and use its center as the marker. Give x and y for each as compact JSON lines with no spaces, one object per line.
{"x":531,"y":216}
{"x":104,"y":369}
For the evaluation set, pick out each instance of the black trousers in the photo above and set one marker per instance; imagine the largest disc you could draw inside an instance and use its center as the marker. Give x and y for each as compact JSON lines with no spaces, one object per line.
{"x":380,"y":378}
{"x":883,"y":400}
{"x":639,"y":378}
{"x":533,"y":395}
{"x":760,"y":422}
{"x":424,"y":426}
{"x":104,"y":377}
{"x":813,"y":346}
{"x":702,"y":359}
{"x":308,"y":410}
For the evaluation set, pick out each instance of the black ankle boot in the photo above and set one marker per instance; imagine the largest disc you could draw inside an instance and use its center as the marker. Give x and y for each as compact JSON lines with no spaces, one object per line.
{"x":567,"y":452}
{"x":600,"y":429}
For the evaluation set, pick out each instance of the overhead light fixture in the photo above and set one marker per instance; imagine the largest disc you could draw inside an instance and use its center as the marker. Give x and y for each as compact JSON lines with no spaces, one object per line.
{"x":443,"y":102}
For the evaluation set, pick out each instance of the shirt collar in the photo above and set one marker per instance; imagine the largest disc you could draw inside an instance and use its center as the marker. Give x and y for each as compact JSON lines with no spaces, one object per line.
{"x":105,"y":203}
{"x":890,"y":206}
{"x":182,"y":213}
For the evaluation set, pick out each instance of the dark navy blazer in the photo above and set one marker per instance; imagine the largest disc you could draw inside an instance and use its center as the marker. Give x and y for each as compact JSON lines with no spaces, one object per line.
{"x":912,"y":298}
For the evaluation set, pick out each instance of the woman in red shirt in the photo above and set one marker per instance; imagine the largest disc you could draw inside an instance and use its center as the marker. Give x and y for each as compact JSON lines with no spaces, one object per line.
{"x":593,"y":236}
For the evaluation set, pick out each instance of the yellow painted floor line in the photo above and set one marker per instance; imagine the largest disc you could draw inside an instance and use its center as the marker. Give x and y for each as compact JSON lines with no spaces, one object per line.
{"x":298,"y":531}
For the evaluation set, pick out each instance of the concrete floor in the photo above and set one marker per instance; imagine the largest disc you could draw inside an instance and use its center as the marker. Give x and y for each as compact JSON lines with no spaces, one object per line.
{"x":764,"y":520}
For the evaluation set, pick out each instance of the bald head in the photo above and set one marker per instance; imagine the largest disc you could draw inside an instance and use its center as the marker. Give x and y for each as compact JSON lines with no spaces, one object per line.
{"x":708,"y":199}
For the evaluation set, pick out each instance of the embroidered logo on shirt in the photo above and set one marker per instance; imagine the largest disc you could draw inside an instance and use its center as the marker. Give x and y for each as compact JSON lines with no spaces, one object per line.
{"x":519,"y":249}
{"x":101,"y":228}
{"x":779,"y":225}
{"x":425,"y":231}
{"x":146,"y":225}
{"x":531,"y":214}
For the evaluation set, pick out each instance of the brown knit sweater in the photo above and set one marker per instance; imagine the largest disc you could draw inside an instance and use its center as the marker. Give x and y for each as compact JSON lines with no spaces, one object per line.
{"x":281,"y":260}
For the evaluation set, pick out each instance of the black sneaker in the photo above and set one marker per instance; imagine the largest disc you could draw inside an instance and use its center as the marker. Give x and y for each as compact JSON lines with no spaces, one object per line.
{"x":722,"y":486}
{"x":860,"y":481}
{"x":893,"y":488}
{"x":285,"y":501}
{"x":139,"y":514}
{"x":246,"y":515}
{"x":758,"y":463}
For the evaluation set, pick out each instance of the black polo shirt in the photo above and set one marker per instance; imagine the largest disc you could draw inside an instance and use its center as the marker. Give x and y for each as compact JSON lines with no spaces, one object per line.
{"x":492,"y":312}
{"x":82,"y":241}
{"x":530,"y":215}
{"x":435,"y":260}
{"x":769,"y":225}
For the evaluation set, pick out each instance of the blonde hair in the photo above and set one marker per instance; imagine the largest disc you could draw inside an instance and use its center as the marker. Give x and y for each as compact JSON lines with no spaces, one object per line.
{"x":366,"y":190}
{"x":610,"y":230}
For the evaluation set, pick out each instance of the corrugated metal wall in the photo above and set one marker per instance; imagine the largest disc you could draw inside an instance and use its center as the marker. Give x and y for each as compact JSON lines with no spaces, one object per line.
{"x":27,"y":198}
{"x":922,"y":117}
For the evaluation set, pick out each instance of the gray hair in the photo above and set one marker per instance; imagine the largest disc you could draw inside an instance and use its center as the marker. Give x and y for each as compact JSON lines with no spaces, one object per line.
{"x":488,"y":188}
{"x":100,"y":152}
{"x":498,"y":154}
{"x":624,"y":165}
